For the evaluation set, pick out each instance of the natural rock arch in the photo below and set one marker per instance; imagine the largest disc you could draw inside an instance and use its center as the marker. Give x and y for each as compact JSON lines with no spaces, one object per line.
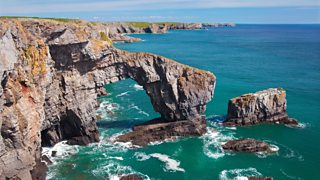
{"x":177,"y":91}
{"x":51,"y":73}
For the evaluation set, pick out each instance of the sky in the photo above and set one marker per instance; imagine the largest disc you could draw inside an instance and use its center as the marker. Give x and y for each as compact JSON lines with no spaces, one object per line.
{"x":230,"y":11}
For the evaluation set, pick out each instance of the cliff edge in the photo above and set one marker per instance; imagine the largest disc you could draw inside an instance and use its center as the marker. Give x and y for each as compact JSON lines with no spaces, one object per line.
{"x":51,"y":73}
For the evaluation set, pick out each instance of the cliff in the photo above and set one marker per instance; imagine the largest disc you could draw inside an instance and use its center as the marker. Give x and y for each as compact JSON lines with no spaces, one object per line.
{"x":51,"y":73}
{"x":267,"y":106}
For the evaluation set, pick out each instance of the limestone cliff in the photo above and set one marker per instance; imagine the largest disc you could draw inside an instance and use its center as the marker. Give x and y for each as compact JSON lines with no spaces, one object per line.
{"x":268,"y":106}
{"x":51,"y":73}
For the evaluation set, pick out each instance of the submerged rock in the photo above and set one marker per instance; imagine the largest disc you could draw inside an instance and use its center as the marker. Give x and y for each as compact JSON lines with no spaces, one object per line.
{"x":268,"y":106}
{"x":247,"y":145}
{"x":131,"y":177}
{"x":160,"y":130}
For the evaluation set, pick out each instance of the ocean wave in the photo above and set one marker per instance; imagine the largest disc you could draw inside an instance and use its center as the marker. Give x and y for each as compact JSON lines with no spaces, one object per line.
{"x":289,"y":176}
{"x":299,"y":126}
{"x":114,"y":170}
{"x":123,"y":94}
{"x":213,"y":141}
{"x":140,"y":111}
{"x":140,"y":156}
{"x":61,"y":149}
{"x":285,"y":151}
{"x":137,"y":87}
{"x":238,"y":174}
{"x":171,"y":164}
{"x":107,"y":109}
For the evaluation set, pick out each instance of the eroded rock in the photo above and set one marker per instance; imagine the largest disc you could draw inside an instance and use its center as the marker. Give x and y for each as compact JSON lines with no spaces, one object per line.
{"x":247,"y":145}
{"x":160,"y":130}
{"x":52,"y":75}
{"x":131,"y":177}
{"x":268,"y":106}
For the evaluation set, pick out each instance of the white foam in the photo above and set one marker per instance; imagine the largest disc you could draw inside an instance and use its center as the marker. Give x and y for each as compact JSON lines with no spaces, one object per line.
{"x":106,"y":108}
{"x":140,"y":111}
{"x":171,"y":164}
{"x":231,"y":128}
{"x":123,"y":94}
{"x":137,"y":87}
{"x":62,"y":150}
{"x":212,"y":142}
{"x":140,"y":156}
{"x":274,"y":148}
{"x":239,"y":174}
{"x":114,"y":171}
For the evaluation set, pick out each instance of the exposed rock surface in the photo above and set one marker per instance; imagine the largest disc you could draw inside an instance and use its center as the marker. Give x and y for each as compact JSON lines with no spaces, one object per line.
{"x":51,"y":74}
{"x":131,"y":177}
{"x":159,"y":130}
{"x":247,"y":145}
{"x":268,"y":106}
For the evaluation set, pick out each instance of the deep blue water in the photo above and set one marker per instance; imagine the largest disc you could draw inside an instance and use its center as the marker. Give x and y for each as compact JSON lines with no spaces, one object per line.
{"x":246,"y":58}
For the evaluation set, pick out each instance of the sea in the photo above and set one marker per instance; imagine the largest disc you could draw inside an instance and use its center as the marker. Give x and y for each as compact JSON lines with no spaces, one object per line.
{"x":245,"y":58}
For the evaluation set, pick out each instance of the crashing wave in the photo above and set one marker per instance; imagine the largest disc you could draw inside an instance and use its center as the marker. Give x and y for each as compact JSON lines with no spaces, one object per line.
{"x":171,"y":165}
{"x":239,"y":174}
{"x":137,"y":87}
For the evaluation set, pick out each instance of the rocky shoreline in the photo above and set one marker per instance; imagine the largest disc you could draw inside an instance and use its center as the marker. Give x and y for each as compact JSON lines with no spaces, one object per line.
{"x":52,"y":73}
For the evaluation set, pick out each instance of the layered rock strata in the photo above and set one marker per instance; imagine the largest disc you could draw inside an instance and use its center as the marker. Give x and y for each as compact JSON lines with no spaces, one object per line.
{"x":267,"y":106}
{"x":159,"y":130}
{"x":247,"y":145}
{"x":51,"y":74}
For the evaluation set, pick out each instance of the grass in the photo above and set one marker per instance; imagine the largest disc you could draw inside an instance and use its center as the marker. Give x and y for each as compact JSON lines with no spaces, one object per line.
{"x":148,"y":24}
{"x":139,"y":24}
{"x":28,"y":17}
{"x":36,"y":58}
{"x":104,"y":37}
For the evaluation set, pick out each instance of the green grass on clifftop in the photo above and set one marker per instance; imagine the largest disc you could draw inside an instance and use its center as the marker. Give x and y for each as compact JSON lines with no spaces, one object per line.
{"x":27,"y":17}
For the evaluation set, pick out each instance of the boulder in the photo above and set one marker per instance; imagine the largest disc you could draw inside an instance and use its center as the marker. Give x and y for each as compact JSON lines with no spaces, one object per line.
{"x":131,"y":177}
{"x":247,"y":145}
{"x":159,"y":130}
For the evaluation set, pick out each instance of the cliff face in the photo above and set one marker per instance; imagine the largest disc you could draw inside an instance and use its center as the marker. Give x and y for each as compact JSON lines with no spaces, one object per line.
{"x":51,"y":73}
{"x":268,"y":106}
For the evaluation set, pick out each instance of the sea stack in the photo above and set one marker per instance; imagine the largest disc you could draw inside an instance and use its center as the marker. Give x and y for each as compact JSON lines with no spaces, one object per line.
{"x":267,"y":106}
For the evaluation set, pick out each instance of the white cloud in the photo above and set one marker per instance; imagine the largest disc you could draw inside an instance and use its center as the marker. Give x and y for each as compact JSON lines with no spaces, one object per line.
{"x":59,"y":6}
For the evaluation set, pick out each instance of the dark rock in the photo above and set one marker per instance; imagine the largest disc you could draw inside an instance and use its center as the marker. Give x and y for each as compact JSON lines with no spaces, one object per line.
{"x":46,"y":159}
{"x":268,"y":106}
{"x":39,"y":171}
{"x":102,"y":92}
{"x":247,"y":145}
{"x":131,"y":177}
{"x":54,"y":153}
{"x":159,"y":130}
{"x":260,"y":178}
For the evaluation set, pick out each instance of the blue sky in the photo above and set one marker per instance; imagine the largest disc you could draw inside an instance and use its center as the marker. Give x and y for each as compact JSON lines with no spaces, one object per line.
{"x":235,"y":11}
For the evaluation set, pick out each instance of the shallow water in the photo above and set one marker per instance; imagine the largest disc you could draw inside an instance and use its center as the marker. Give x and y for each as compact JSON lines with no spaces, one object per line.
{"x":245,"y":59}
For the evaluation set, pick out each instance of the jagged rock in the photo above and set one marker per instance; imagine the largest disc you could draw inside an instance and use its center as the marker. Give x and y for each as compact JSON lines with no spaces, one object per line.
{"x":131,"y":177}
{"x":268,"y":106}
{"x":53,"y":78}
{"x":247,"y":145}
{"x":159,"y":130}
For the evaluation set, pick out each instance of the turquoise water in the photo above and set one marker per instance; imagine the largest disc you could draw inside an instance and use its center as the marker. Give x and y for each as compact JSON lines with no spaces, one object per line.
{"x":245,"y":59}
